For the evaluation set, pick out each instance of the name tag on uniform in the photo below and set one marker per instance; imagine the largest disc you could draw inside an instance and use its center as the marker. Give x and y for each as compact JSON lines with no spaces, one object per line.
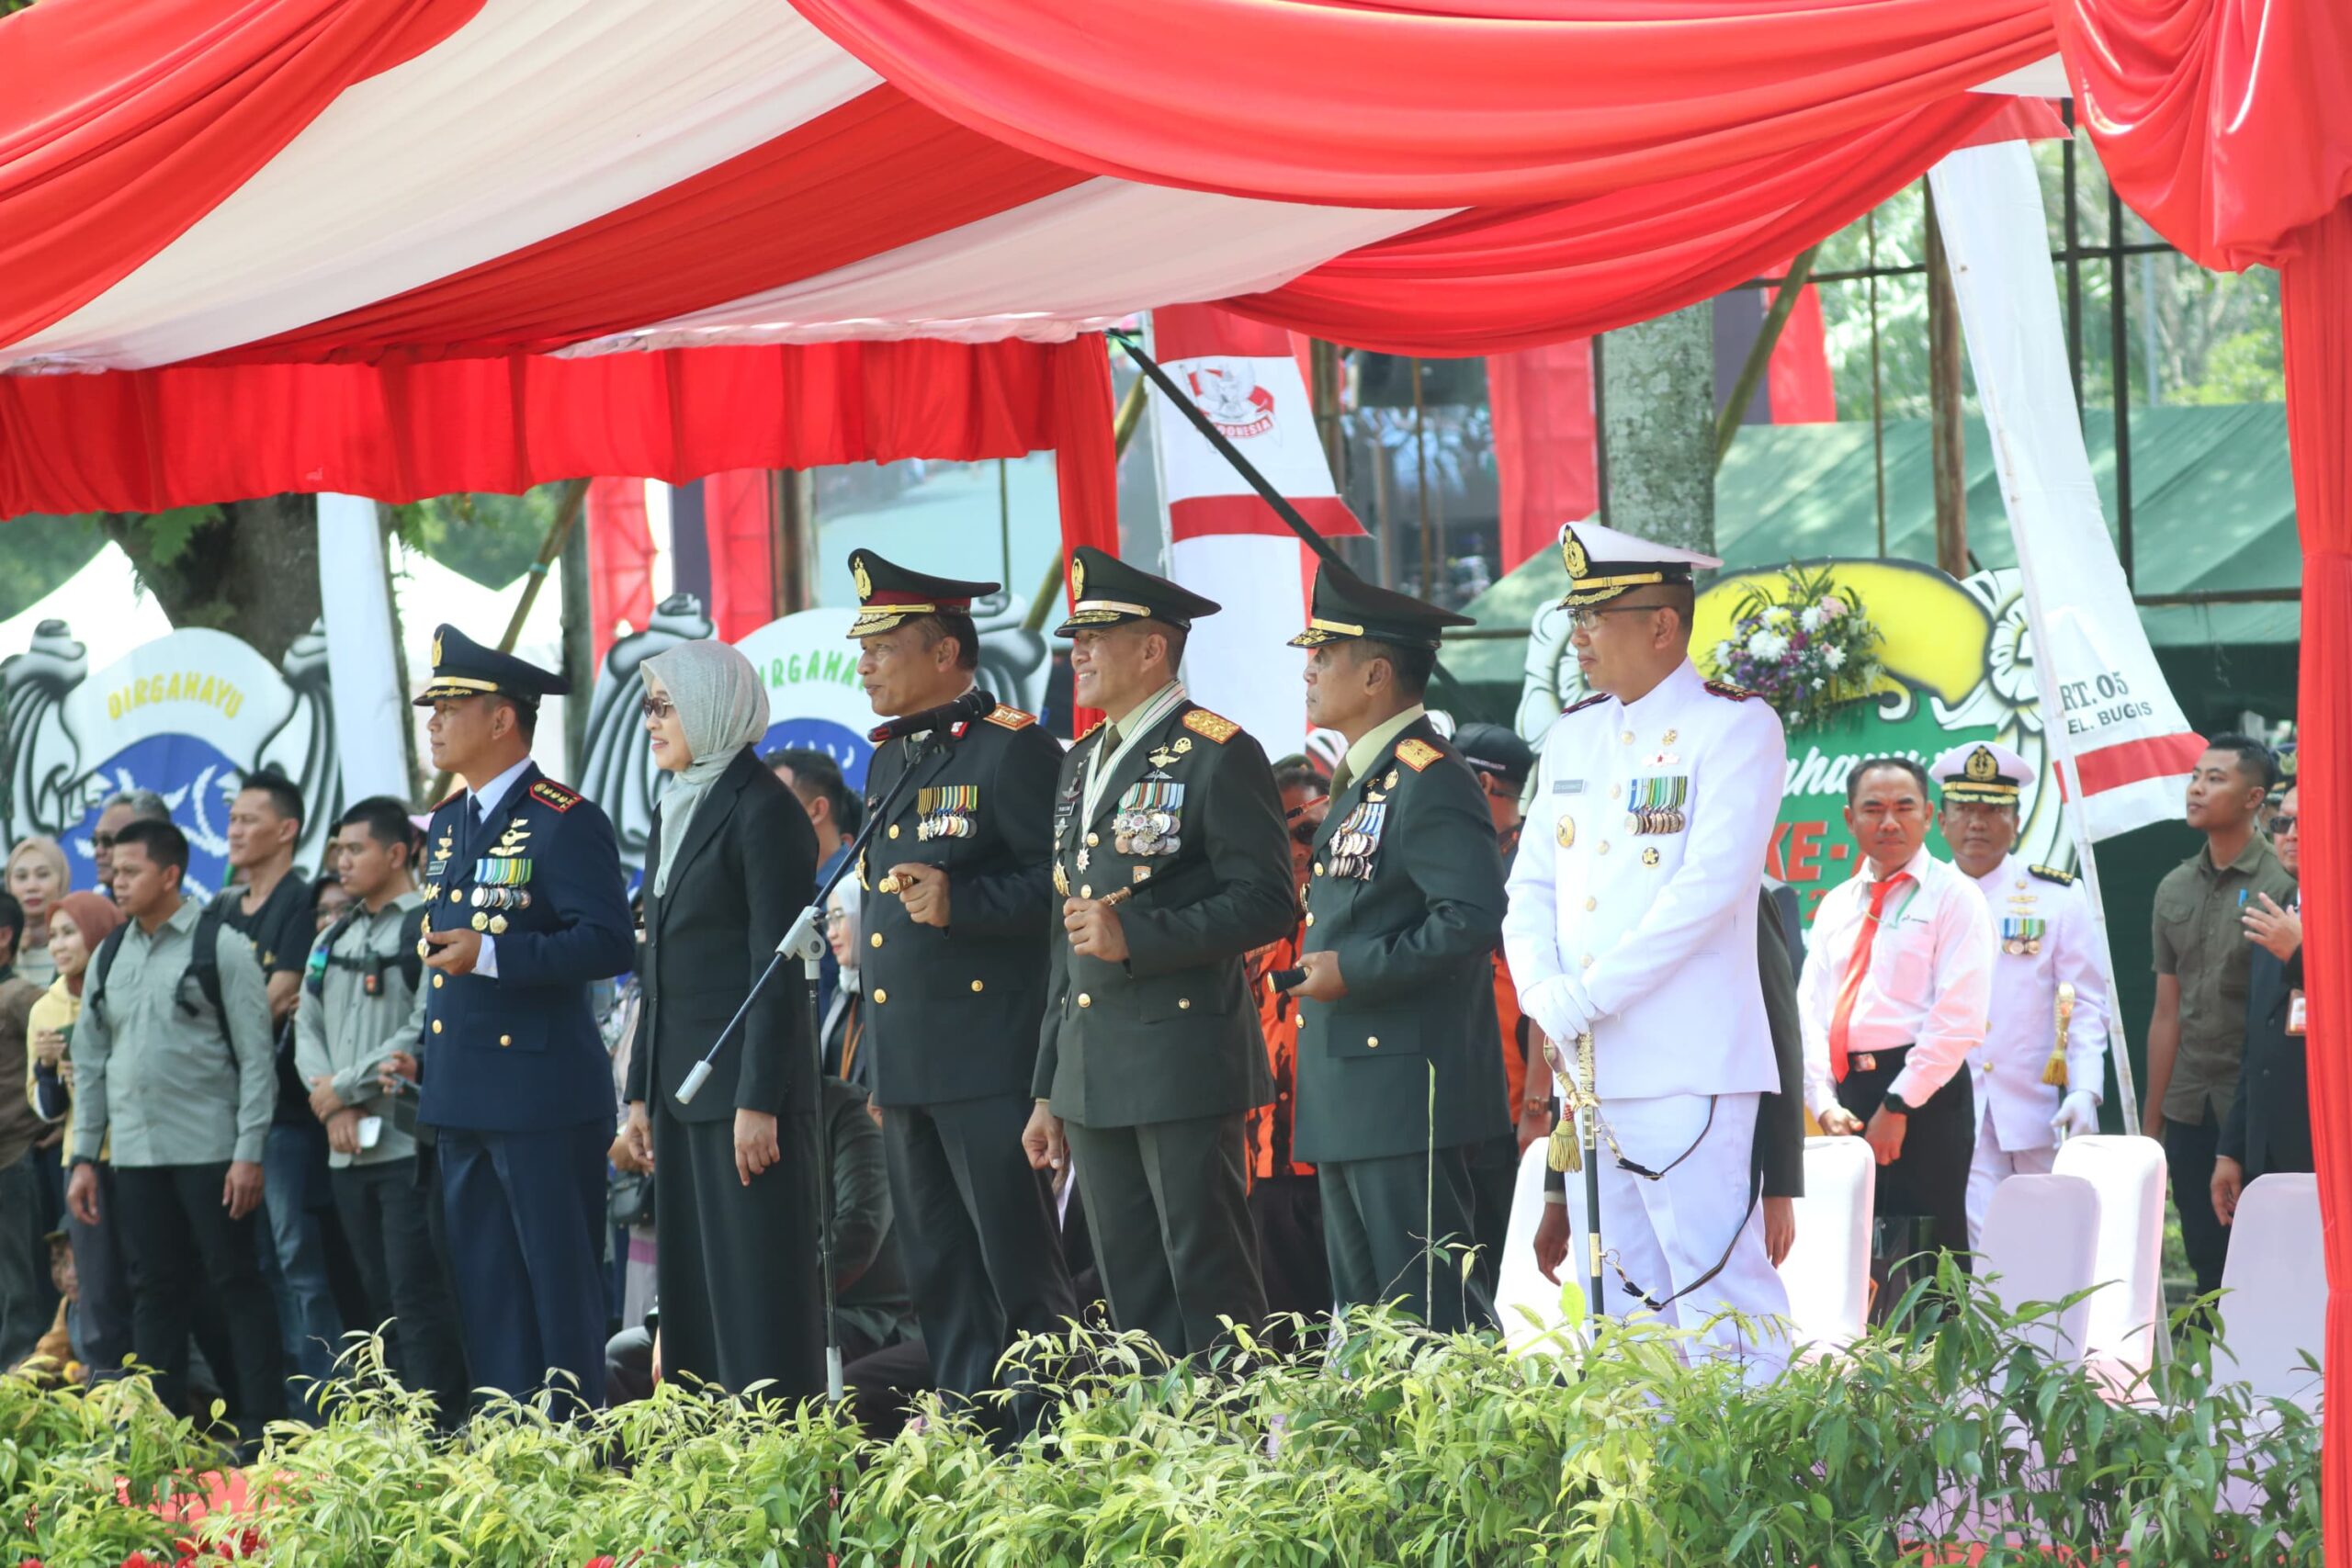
{"x":2295,"y":1012}
{"x":1567,"y":787}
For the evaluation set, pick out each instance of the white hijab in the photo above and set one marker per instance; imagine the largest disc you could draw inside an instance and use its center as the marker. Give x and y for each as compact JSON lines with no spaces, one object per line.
{"x":723,"y":708}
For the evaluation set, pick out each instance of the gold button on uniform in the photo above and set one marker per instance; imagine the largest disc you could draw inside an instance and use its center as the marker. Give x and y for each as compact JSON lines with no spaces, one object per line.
{"x":978,"y":984}
{"x":506,"y":1040}
{"x":1371,"y":1041}
{"x":1627,"y":737}
{"x":1093,"y":841}
{"x":1616,"y":790}
{"x":1586,"y":962}
{"x":1086,"y":892}
{"x":1604,"y":846}
{"x":1084,"y":1000}
{"x":874,"y":940}
{"x":1310,"y":917}
{"x":437,"y":1026}
{"x":1319,"y":868}
{"x":894,"y":829}
{"x":1591,"y":904}
{"x":881,"y":997}
{"x":1183,"y":1002}
{"x":438,"y":981}
{"x":456,"y":897}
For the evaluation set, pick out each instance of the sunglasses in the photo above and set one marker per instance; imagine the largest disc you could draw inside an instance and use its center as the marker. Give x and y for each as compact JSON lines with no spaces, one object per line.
{"x":2283,"y":822}
{"x":656,"y":708}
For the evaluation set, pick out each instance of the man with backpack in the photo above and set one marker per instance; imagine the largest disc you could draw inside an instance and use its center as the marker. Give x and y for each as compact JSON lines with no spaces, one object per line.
{"x":172,"y":1060}
{"x":359,"y":1008}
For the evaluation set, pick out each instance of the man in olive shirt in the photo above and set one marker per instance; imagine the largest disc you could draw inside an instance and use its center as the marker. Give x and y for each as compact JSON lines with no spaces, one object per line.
{"x":185,"y":1087}
{"x":1172,"y":862}
{"x":358,"y":1005}
{"x":1399,"y":1067}
{"x":2198,"y":1033}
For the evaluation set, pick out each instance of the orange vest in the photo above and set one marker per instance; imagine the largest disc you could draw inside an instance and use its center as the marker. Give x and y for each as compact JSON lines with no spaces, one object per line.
{"x":1270,"y":1126}
{"x":1514,"y":1044}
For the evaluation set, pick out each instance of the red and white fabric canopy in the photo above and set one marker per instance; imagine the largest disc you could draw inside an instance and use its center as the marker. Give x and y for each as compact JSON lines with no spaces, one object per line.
{"x":498,"y":206}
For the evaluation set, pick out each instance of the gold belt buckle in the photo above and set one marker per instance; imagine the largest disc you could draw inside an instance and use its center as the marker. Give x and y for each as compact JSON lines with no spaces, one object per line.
{"x":1867,"y":1062}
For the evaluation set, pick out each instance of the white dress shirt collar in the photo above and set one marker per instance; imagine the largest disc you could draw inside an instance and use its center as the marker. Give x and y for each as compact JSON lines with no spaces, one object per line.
{"x":1669,"y":694}
{"x":486,"y":800}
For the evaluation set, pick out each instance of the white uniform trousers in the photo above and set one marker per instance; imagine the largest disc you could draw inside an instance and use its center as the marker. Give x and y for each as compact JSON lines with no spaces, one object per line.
{"x":1991,"y":1166}
{"x":1665,"y":1234}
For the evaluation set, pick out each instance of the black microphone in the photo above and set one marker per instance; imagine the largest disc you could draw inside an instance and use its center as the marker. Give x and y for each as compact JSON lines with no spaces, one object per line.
{"x":1288,"y":979}
{"x":970,"y":706}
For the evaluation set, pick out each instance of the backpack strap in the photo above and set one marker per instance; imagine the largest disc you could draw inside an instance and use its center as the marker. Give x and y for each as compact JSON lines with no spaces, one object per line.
{"x":204,"y":955}
{"x":102,"y":963}
{"x":412,"y":939}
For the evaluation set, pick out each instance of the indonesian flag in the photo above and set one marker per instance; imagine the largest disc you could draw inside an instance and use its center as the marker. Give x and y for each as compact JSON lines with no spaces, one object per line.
{"x":1223,"y":539}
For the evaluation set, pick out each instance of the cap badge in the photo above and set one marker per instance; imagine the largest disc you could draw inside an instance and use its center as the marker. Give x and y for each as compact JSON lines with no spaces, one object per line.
{"x":1981,"y":767}
{"x":859,"y":576}
{"x":436,"y":649}
{"x":1572,"y":555}
{"x":1077,"y":578}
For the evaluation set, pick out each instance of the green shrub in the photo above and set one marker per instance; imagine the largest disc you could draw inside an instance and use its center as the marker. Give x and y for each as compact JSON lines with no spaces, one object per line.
{"x":1388,"y":1445}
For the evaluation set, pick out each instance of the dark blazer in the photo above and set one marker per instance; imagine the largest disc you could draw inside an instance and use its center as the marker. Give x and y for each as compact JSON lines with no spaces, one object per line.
{"x":2269,"y":1125}
{"x":1780,"y":1118}
{"x":1415,"y":938}
{"x":522,"y":1053}
{"x":951,"y":1013}
{"x":1171,"y":1034}
{"x":745,"y":872}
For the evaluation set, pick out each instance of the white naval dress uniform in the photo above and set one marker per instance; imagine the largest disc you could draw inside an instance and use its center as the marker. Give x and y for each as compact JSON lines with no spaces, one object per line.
{"x":2052,"y":915}
{"x":1633,"y":913}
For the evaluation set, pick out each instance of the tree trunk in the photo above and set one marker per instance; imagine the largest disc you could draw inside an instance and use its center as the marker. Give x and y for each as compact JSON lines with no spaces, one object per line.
{"x":1659,"y":426}
{"x":248,"y":567}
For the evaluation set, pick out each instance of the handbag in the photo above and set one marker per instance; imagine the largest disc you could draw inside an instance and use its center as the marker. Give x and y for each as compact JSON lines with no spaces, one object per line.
{"x":628,"y":1201}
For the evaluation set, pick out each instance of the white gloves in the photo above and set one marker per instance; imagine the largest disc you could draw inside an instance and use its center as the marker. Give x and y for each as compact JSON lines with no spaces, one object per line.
{"x":2078,"y":1115}
{"x":1557,"y":1006}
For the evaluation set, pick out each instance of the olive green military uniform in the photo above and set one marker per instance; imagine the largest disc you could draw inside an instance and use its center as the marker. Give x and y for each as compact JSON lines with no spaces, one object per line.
{"x":1399,"y":1077}
{"x":1154,"y":1063}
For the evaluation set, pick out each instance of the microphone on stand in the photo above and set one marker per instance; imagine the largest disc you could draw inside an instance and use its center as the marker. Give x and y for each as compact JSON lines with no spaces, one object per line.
{"x":972,"y":705}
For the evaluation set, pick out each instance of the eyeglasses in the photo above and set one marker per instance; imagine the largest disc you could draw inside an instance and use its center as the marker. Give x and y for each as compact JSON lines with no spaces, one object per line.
{"x":836,"y":916}
{"x":2283,"y":822}
{"x":106,"y":841}
{"x":1589,"y":617}
{"x":656,"y":709}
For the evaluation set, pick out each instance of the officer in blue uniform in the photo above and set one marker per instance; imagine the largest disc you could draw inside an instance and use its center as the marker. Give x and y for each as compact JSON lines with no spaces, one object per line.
{"x":526,"y":907}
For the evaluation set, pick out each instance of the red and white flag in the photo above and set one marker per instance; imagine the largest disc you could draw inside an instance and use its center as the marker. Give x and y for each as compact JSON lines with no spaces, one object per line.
{"x":1223,"y":539}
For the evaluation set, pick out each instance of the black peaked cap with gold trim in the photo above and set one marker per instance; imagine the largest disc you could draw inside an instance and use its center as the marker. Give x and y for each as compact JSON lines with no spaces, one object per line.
{"x":1106,"y":592}
{"x":1346,"y":606}
{"x":464,"y":668}
{"x":889,"y":596}
{"x":1604,"y":564}
{"x":1981,"y":772}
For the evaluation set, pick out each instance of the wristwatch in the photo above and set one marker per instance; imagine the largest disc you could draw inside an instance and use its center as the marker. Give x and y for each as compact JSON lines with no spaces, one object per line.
{"x":1535,"y":1105}
{"x":1901,"y":1107}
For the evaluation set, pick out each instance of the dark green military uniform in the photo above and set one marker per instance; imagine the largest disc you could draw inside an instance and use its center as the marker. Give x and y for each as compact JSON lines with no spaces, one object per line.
{"x":1153,"y":1064}
{"x":1399,"y":1077}
{"x":951,"y":1014}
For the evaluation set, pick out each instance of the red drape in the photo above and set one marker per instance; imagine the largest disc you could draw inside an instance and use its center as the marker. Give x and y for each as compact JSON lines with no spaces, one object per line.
{"x":1342,"y":102}
{"x":1496,"y":278}
{"x":620,"y":560}
{"x":1546,"y":444}
{"x":97,"y":174}
{"x":1800,"y":387}
{"x":2228,"y":125}
{"x":738,"y":521}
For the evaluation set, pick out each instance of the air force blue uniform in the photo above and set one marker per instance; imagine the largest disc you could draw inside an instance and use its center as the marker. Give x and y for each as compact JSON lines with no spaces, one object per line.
{"x":516,"y":1081}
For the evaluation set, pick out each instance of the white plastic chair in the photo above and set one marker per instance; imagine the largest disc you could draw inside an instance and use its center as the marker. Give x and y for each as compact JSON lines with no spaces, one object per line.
{"x":2041,"y":1244}
{"x":2120,"y":1341}
{"x":1828,"y":1272}
{"x":2274,"y":1305}
{"x":1521,"y":1288}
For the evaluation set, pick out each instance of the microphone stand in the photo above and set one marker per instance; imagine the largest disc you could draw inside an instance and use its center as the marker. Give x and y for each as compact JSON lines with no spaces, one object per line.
{"x":806,"y":942}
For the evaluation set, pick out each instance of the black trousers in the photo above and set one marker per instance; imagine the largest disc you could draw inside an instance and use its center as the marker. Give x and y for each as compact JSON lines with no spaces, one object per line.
{"x":1168,"y":1206}
{"x":2189,"y":1150}
{"x":1494,"y":1183}
{"x":181,"y":1245}
{"x":738,"y":1265}
{"x":975,"y":1228}
{"x":385,"y":1216}
{"x":1930,"y":1181}
{"x":1396,"y":1227}
{"x":1288,"y":1213}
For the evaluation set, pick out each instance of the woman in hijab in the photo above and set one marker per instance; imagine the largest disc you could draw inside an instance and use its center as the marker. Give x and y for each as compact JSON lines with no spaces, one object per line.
{"x":38,"y":875}
{"x":78,"y":924}
{"x":731,"y":862}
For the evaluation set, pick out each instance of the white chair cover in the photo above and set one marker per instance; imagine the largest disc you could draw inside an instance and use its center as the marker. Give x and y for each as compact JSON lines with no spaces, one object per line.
{"x":1828,"y":1272}
{"x":2273,"y":1301}
{"x":2041,"y":1244}
{"x":2119,"y":1341}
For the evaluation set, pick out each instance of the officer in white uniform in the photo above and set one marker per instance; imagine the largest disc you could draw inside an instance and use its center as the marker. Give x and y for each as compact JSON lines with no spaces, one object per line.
{"x":1633,"y":915}
{"x":2048,"y":936}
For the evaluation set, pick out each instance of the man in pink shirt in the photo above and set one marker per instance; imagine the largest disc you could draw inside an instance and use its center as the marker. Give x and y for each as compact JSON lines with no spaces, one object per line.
{"x":1896,"y":992}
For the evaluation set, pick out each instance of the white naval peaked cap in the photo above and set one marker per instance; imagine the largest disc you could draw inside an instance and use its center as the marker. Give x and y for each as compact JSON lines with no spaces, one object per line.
{"x":1603,"y":563}
{"x":1982,"y":771}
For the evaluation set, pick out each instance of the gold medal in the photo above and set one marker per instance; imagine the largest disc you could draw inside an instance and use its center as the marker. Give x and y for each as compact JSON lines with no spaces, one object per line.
{"x":481,"y":922}
{"x":498,"y":925}
{"x":2014,"y":947}
{"x":1565,"y":832}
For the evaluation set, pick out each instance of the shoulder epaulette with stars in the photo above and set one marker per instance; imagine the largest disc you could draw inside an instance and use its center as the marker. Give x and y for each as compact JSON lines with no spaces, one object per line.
{"x":1418,"y":754}
{"x":2051,"y":873}
{"x":1009,"y":717}
{"x":1211,"y":726}
{"x":1725,"y":689}
{"x":1588,"y":701}
{"x":546,"y":792}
